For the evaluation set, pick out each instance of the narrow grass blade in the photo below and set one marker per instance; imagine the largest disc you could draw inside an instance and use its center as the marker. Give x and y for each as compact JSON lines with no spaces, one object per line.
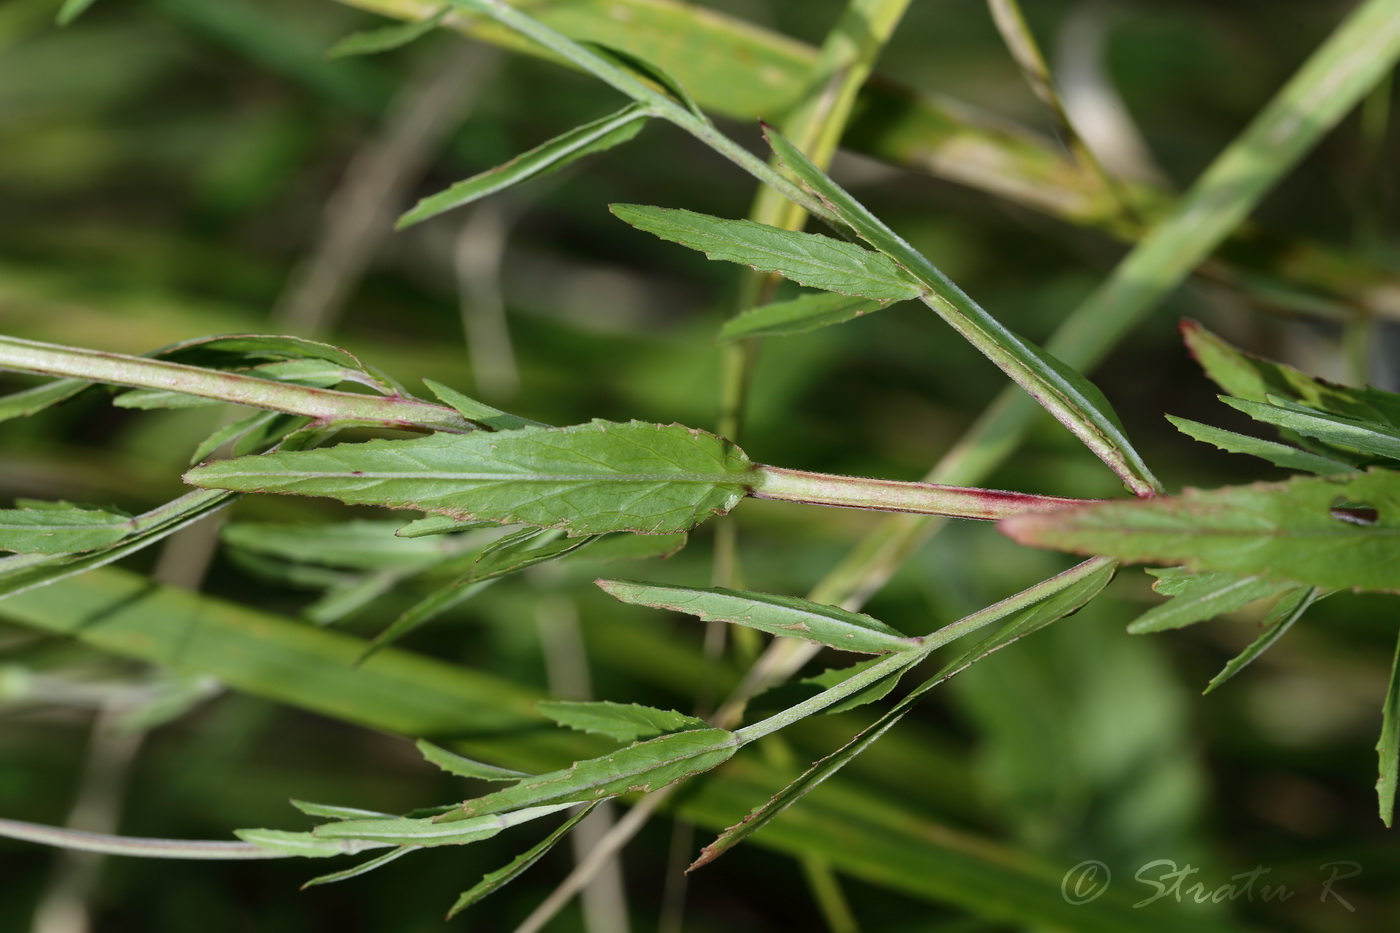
{"x":1333,"y":532}
{"x":1068,"y":396}
{"x":32,"y":401}
{"x":1368,"y":437}
{"x":1207,"y":596}
{"x":806,"y":258}
{"x":585,"y":479}
{"x":776,"y":615}
{"x":626,"y":722}
{"x":362,"y":868}
{"x":1388,"y":748}
{"x":387,"y":38}
{"x":548,"y":157}
{"x":795,"y":791}
{"x":107,"y":844}
{"x":60,"y":528}
{"x":642,"y":767}
{"x":1280,"y":619}
{"x":498,"y":879}
{"x":453,"y":763}
{"x":1281,"y":455}
{"x":798,"y":316}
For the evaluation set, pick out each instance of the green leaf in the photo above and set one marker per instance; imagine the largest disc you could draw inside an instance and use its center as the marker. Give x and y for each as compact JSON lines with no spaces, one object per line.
{"x":776,"y":615}
{"x":21,"y":572}
{"x":1254,"y":379}
{"x":1333,"y":532}
{"x":617,"y":547}
{"x":465,"y":767}
{"x":585,"y":479}
{"x":1205,"y":597}
{"x":71,"y":10}
{"x":798,"y":316}
{"x":330,"y":811}
{"x":1064,"y":393}
{"x":806,"y":258}
{"x":647,"y":71}
{"x":1290,"y":458}
{"x":304,"y":845}
{"x":544,"y":159}
{"x":1369,"y":437}
{"x":494,"y":562}
{"x":362,"y":868}
{"x":60,"y":528}
{"x":498,"y":879}
{"x":643,"y":767}
{"x":436,"y":525}
{"x":761,"y":816}
{"x":479,"y":412}
{"x":358,"y":545}
{"x":1280,"y":619}
{"x":1388,"y":748}
{"x":387,"y":38}
{"x":626,"y":722}
{"x":429,"y":832}
{"x":876,"y":691}
{"x":30,"y":401}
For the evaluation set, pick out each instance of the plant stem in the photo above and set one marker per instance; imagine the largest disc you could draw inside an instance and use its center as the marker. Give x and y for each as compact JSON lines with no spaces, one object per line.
{"x":883,"y":495}
{"x":325,"y":405}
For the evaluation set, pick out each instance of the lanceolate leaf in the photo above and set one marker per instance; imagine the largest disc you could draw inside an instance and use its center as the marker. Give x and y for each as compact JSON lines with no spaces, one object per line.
{"x":466,"y":767}
{"x":1063,"y":392}
{"x":60,"y":530}
{"x":1333,"y":532}
{"x":806,"y":258}
{"x":585,"y":479}
{"x":798,"y":316}
{"x":360,"y":869}
{"x":549,"y":157}
{"x":429,"y":832}
{"x":1254,"y":379}
{"x":491,"y":418}
{"x":374,"y":41}
{"x":500,"y":878}
{"x":1367,"y":436}
{"x":643,"y":767}
{"x":30,"y":401}
{"x":777,"y":615}
{"x":1290,"y":458}
{"x":1205,"y":597}
{"x":1280,"y":619}
{"x":626,"y":722}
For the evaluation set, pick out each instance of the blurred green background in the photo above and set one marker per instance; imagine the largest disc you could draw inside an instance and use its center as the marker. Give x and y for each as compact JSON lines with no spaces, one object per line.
{"x":170,"y":168}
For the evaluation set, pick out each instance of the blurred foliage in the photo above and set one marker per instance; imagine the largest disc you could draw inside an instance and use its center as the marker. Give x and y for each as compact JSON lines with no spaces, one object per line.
{"x":165,"y":169}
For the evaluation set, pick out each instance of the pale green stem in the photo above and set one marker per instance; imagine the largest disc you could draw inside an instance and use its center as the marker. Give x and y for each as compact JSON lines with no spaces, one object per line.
{"x":325,"y":405}
{"x":855,"y":492}
{"x":135,"y":846}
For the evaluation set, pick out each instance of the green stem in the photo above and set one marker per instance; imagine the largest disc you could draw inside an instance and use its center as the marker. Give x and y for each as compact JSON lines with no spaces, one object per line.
{"x":325,"y":405}
{"x":105,"y":844}
{"x":855,"y":492}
